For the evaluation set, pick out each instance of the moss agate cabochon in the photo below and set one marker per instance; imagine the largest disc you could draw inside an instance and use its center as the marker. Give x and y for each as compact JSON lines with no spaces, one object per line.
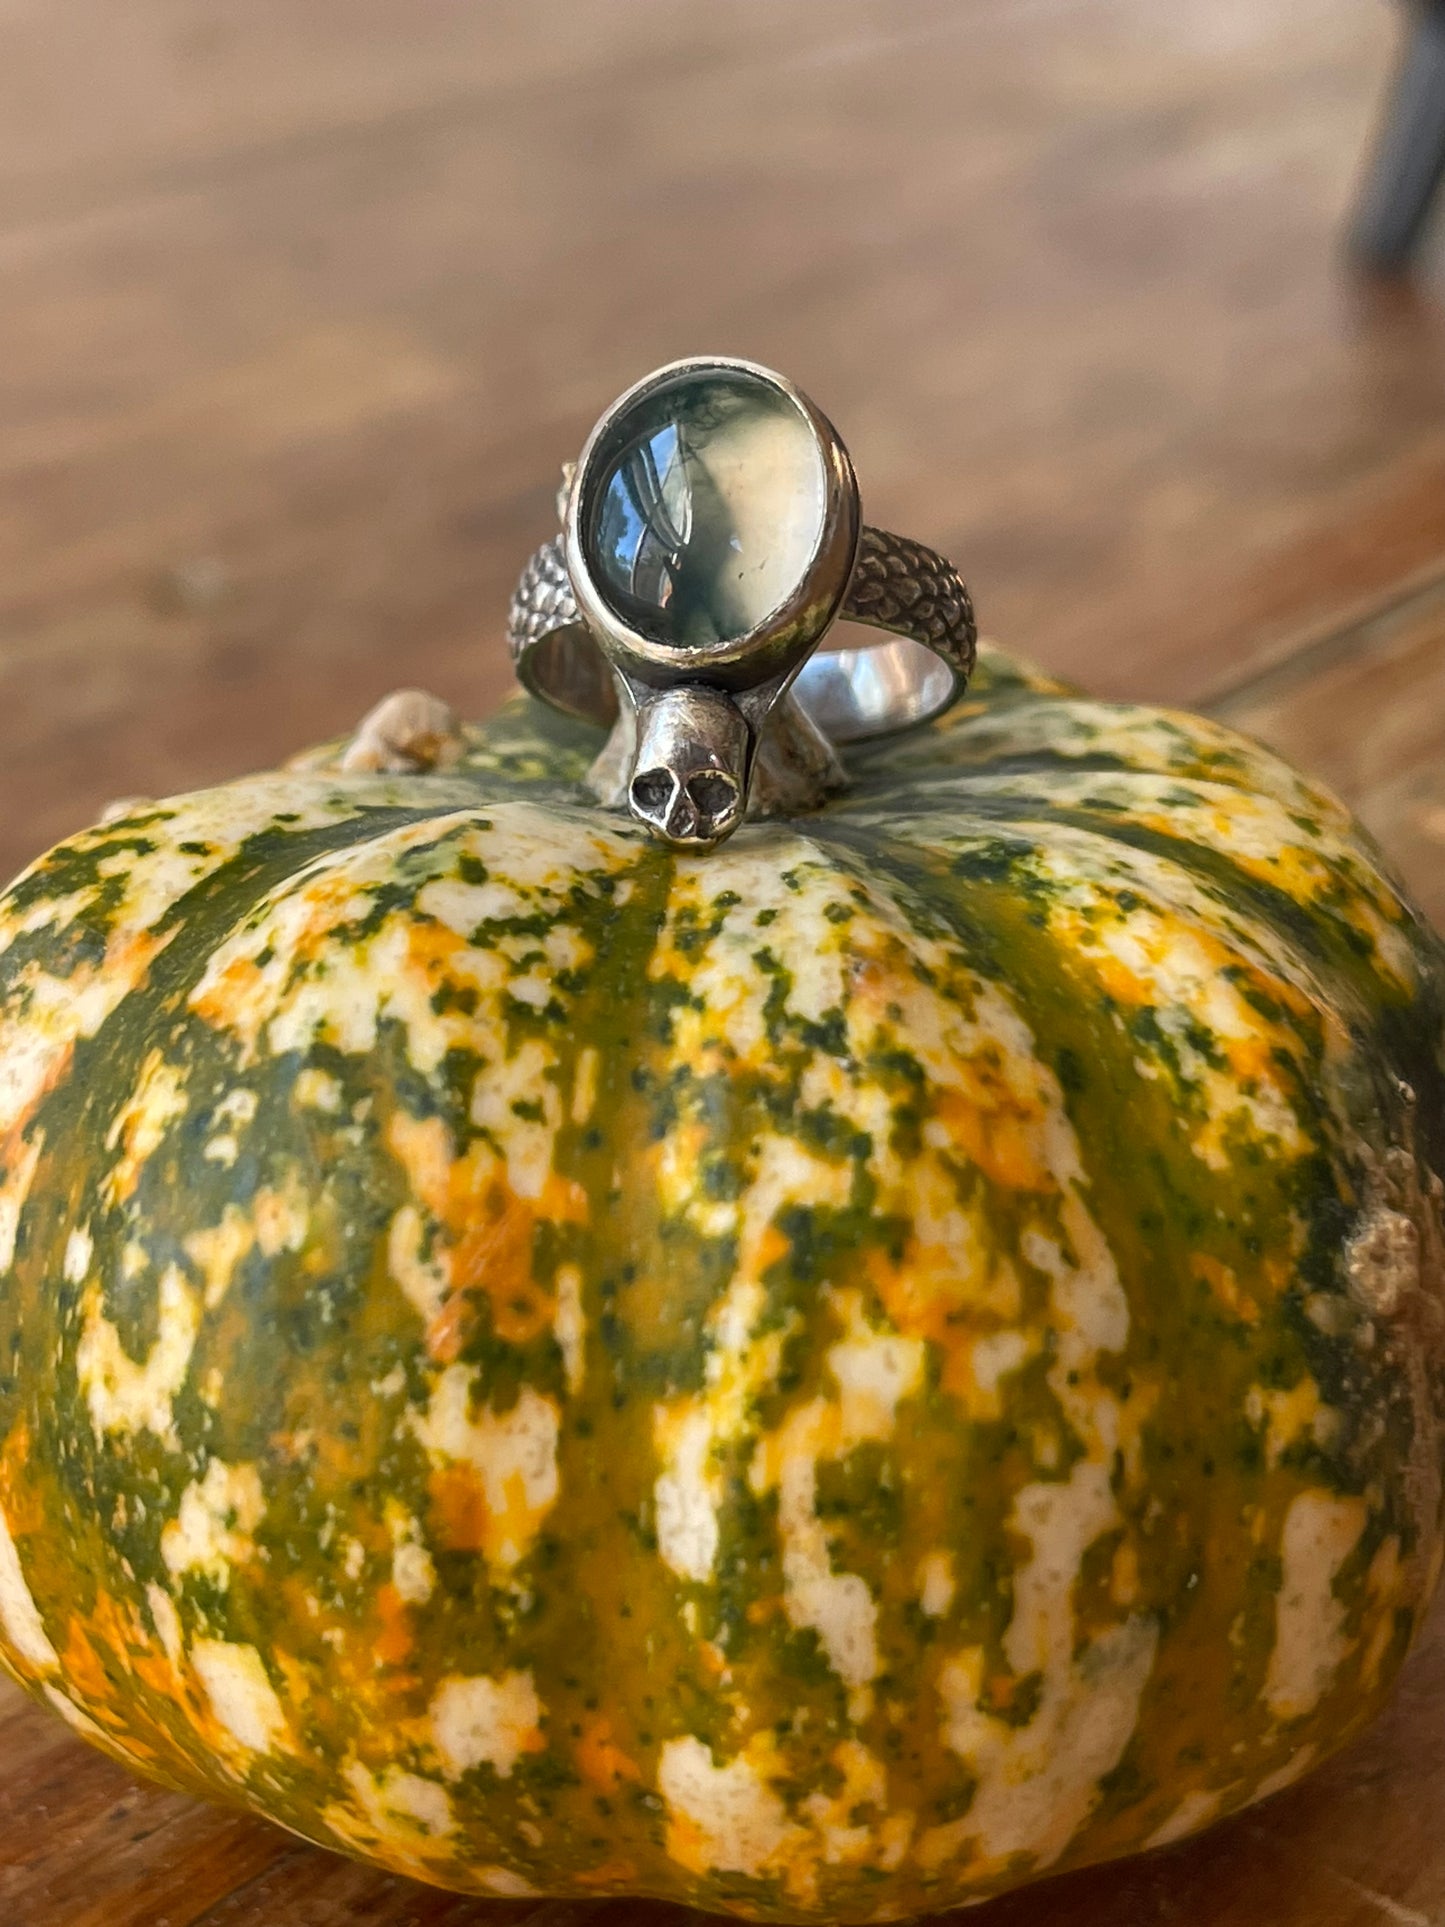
{"x":709,"y":508}
{"x":823,"y":1381}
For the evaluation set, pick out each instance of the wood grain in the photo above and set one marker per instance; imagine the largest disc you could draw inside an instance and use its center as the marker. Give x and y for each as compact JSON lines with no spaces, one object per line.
{"x":309,"y":304}
{"x":1365,"y":706}
{"x":304,"y":305}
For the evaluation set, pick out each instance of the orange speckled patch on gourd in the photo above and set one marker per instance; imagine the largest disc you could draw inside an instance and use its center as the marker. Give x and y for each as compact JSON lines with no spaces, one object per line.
{"x":819,"y":1381}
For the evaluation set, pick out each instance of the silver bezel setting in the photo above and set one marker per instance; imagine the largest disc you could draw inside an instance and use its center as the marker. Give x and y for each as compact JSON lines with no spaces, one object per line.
{"x":780,"y":644}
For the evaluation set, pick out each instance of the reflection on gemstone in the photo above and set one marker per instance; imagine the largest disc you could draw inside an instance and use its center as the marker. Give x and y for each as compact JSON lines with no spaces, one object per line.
{"x":708,"y":510}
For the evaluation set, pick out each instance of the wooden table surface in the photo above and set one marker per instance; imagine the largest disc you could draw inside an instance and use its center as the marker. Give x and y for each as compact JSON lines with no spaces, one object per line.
{"x":302,"y":305}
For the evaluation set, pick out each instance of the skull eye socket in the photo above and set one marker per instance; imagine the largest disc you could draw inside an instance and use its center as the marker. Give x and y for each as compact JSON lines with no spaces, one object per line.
{"x":713,"y":794}
{"x":652,"y":791}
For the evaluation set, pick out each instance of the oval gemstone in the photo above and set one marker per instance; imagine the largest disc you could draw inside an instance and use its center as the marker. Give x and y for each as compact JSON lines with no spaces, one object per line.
{"x":708,"y":509}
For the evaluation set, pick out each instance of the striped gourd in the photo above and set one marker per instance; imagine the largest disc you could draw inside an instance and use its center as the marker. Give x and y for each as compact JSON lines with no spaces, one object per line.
{"x":821,"y":1380}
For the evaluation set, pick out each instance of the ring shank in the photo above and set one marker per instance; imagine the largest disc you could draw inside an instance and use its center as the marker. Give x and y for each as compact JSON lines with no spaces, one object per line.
{"x":853,"y":694}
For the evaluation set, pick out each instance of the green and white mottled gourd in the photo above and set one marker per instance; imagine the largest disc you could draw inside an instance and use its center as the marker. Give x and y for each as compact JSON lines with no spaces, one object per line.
{"x":822,"y":1380}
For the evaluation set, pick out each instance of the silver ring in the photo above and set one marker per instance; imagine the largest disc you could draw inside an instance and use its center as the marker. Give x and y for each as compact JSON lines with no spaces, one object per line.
{"x":711,"y":537}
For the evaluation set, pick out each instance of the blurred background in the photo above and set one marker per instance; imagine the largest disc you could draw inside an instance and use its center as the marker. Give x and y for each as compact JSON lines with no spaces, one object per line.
{"x":306,"y":301}
{"x":304,"y":305}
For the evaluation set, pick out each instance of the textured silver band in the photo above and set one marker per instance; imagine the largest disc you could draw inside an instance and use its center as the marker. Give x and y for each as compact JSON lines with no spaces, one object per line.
{"x":852,"y":694}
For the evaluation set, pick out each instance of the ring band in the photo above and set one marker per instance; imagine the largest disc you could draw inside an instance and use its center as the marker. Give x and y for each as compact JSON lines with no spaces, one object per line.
{"x":711,"y":539}
{"x":853,"y":695}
